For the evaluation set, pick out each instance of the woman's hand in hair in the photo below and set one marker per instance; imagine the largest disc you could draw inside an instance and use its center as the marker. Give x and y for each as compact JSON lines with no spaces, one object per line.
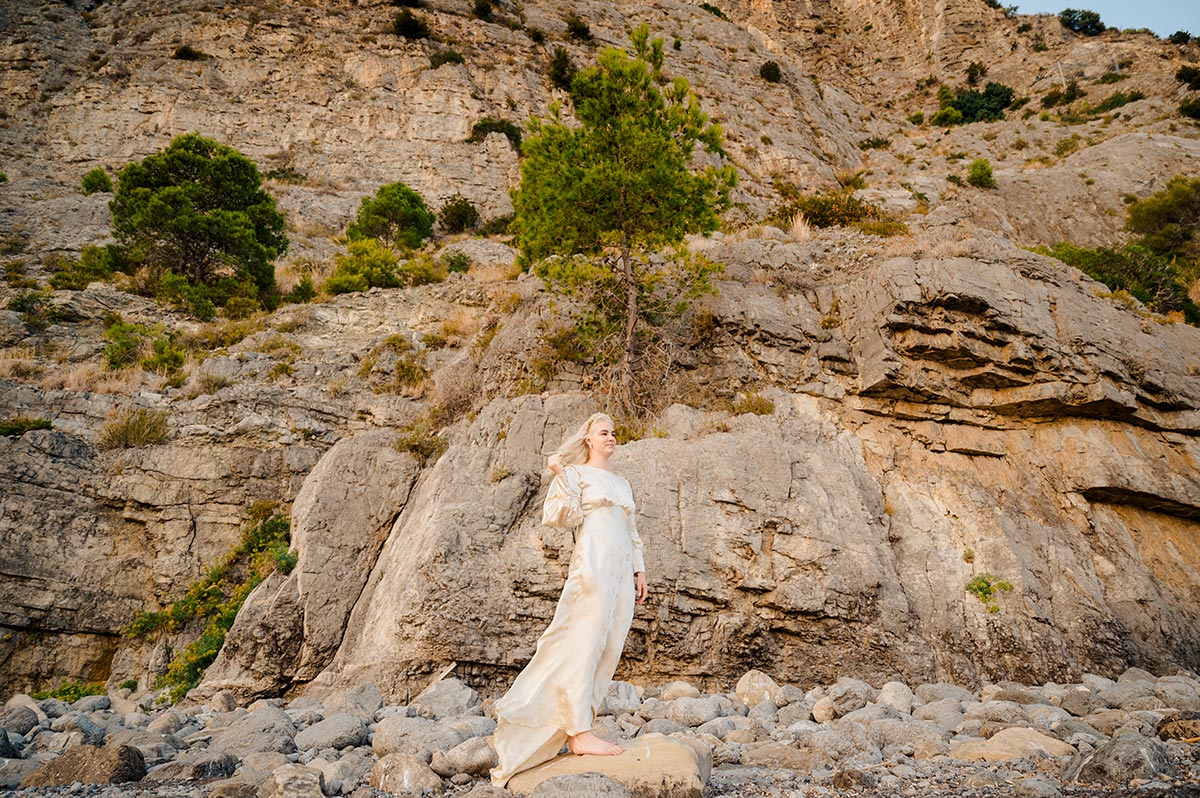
{"x":556,"y":465}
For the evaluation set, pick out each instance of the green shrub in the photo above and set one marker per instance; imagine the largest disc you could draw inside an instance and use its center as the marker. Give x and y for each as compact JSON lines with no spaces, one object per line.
{"x":1179,"y":37}
{"x":95,"y":181}
{"x":304,"y":291}
{"x":458,"y":262}
{"x":1190,"y":108}
{"x":94,"y":264}
{"x":124,"y":344}
{"x":483,"y":9}
{"x":1113,"y":77}
{"x":954,"y":179}
{"x":577,"y":29}
{"x":167,"y":357}
{"x":716,"y":12}
{"x":1152,"y":279}
{"x":1115,"y":101}
{"x":979,"y":173}
{"x":3,"y":177}
{"x":70,"y":692}
{"x":1169,"y":220}
{"x":496,"y":226}
{"x":874,"y":143}
{"x":458,"y":214}
{"x":367,"y":264}
{"x":128,"y":684}
{"x":536,"y":35}
{"x":829,"y":209}
{"x":752,"y":402}
{"x":1086,"y":22}
{"x":286,"y":174}
{"x":946,"y":117}
{"x":984,"y":588}
{"x":185,"y":52}
{"x":1067,"y":146}
{"x":1057,"y":96}
{"x":422,"y":441}
{"x":445,"y":57}
{"x":982,"y":106}
{"x":130,"y":428}
{"x":481,"y":129}
{"x":917,"y":118}
{"x":562,"y":69}
{"x":15,"y":427}
{"x":396,"y":215}
{"x":410,"y":26}
{"x":198,"y":210}
{"x":975,"y":71}
{"x":770,"y":72}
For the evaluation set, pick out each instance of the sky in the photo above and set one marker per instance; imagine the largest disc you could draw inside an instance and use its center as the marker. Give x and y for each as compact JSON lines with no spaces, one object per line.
{"x":1164,"y":17}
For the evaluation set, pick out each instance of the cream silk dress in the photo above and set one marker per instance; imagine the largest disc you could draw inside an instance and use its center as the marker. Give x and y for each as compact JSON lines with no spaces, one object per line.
{"x":559,"y":691}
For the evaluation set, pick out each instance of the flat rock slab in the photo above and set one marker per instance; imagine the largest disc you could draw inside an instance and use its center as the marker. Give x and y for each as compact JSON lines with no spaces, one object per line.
{"x":90,"y":765}
{"x":653,"y":766}
{"x":1012,"y":743}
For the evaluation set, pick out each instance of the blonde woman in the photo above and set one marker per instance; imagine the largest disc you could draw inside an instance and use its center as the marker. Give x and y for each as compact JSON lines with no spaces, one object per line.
{"x":555,"y":698}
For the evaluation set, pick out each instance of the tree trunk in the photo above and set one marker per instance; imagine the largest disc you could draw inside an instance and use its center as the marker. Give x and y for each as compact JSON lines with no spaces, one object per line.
{"x":631,"y":315}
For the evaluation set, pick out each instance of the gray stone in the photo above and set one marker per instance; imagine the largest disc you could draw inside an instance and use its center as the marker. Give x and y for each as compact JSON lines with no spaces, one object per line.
{"x":945,"y":713}
{"x":91,"y":733}
{"x":663,"y":726}
{"x":474,"y":757}
{"x":928,"y":693}
{"x":1177,"y":692}
{"x":798,"y":710}
{"x":678,"y":689}
{"x":693,"y":712}
{"x":7,"y":749}
{"x":91,"y":703}
{"x":346,"y":774}
{"x":1081,"y":702}
{"x":849,"y":694}
{"x":336,"y":731}
{"x":293,"y":781}
{"x":90,"y":765}
{"x":755,"y":687}
{"x":446,"y":699}
{"x":156,"y":748}
{"x":168,"y":722}
{"x":18,"y":719}
{"x":265,"y":729}
{"x":1122,"y":694}
{"x":396,"y":772}
{"x":12,"y":771}
{"x":896,"y":695}
{"x":1036,"y":787}
{"x":363,"y":701}
{"x":195,"y":765}
{"x":580,"y":785}
{"x":622,"y":697}
{"x":1120,"y":760}
{"x":416,"y":737}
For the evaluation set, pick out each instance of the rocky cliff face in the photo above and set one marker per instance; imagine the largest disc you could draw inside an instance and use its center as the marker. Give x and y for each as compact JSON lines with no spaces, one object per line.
{"x":947,"y":405}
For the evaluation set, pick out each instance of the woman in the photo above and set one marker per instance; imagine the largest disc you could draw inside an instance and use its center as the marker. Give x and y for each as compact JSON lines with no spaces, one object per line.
{"x":555,"y":698}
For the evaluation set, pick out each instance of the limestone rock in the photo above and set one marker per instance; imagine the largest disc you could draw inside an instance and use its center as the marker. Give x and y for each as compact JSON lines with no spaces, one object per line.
{"x":779,"y":755}
{"x":651,"y":767}
{"x":195,"y":765}
{"x":90,"y":765}
{"x":1120,"y":760}
{"x":622,"y":697}
{"x":336,"y":731}
{"x":7,"y":749}
{"x":265,"y":729}
{"x":13,"y":771}
{"x":580,"y":785}
{"x":18,"y":719}
{"x":689,"y":711}
{"x":898,"y":696}
{"x":397,"y":772}
{"x":293,"y":781}
{"x":415,"y":737}
{"x":1012,"y":743}
{"x":678,"y":689}
{"x":362,"y":700}
{"x":446,"y":698}
{"x":474,"y":757}
{"x":756,"y":686}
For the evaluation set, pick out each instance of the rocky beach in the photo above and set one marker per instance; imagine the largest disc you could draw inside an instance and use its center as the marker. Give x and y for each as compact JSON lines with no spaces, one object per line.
{"x":1133,"y":736}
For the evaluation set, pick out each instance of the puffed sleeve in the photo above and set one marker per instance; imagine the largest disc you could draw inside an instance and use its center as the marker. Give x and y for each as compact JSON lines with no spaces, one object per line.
{"x":563,"y":507}
{"x":639,"y":561}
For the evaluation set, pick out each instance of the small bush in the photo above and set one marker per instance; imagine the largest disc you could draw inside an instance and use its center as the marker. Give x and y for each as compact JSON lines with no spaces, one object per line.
{"x":128,"y":684}
{"x":458,"y":262}
{"x":874,"y":143}
{"x":14,"y":427}
{"x":1190,"y":108}
{"x":124,"y":344}
{"x":396,"y":215}
{"x":167,"y":357}
{"x":303,"y":291}
{"x":851,"y":179}
{"x":1113,"y":77}
{"x":1067,"y":146}
{"x":946,"y":117}
{"x":577,"y":29}
{"x":421,"y":441}
{"x":3,"y":177}
{"x":984,"y":588}
{"x":1086,"y":22}
{"x":954,"y":179}
{"x":366,"y":264}
{"x":1153,"y":279}
{"x":752,"y":402}
{"x":1190,"y":75}
{"x":129,"y":428}
{"x":716,"y":12}
{"x":70,"y":692}
{"x":286,"y":174}
{"x":562,"y":69}
{"x":1117,"y":100}
{"x":94,"y":264}
{"x":983,"y":106}
{"x":481,"y":129}
{"x":95,"y":181}
{"x":496,"y":226}
{"x":770,"y":72}
{"x":445,"y":57}
{"x":884,"y":228}
{"x":410,"y":26}
{"x":483,"y":9}
{"x":536,"y":35}
{"x":830,"y":209}
{"x":458,"y":215}
{"x":1058,"y":96}
{"x":975,"y":71}
{"x":979,"y":173}
{"x":1179,"y":37}
{"x":185,"y":52}
{"x":917,"y":118}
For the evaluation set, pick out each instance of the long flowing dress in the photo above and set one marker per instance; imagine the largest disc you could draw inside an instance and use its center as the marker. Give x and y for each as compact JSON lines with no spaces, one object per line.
{"x":559,"y":691}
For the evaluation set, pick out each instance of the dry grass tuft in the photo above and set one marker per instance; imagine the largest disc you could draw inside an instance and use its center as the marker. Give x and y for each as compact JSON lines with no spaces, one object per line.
{"x":799,"y":229}
{"x":132,"y":427}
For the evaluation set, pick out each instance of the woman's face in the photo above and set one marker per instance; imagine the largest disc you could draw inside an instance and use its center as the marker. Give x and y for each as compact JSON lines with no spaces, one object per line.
{"x":602,"y":439}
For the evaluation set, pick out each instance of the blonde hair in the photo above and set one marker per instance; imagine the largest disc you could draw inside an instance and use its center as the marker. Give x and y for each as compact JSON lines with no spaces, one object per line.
{"x":574,"y":450}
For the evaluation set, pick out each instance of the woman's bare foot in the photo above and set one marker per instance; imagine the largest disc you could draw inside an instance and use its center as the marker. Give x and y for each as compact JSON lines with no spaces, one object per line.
{"x":587,"y":743}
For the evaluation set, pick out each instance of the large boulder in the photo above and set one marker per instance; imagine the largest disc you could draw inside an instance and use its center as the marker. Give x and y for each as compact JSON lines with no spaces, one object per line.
{"x":404,"y":773}
{"x":336,"y":731}
{"x":417,"y":737}
{"x":1120,"y":760}
{"x":265,"y":729}
{"x":18,"y":719}
{"x":195,"y":765}
{"x":652,"y":766}
{"x":90,"y":765}
{"x":447,"y":698}
{"x":1012,"y":743}
{"x":293,"y":781}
